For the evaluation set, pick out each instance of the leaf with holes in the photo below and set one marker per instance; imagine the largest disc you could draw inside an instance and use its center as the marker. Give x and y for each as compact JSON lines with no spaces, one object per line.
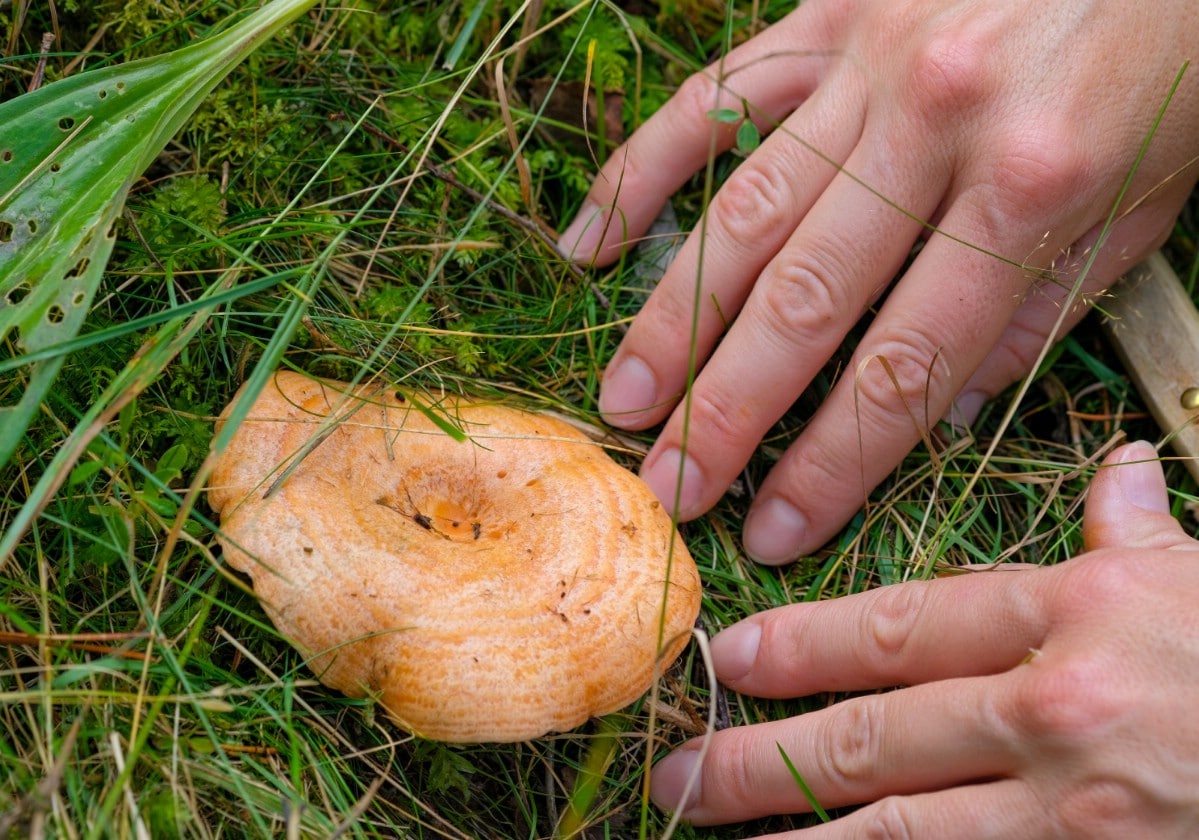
{"x":69,"y":153}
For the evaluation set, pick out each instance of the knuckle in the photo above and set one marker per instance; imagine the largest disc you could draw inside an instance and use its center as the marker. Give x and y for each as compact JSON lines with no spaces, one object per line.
{"x":889,"y":625}
{"x":1034,"y":169}
{"x":622,"y":181}
{"x":672,"y":311}
{"x":1099,"y":809}
{"x":720,"y":418}
{"x":698,"y":95}
{"x":1105,"y":581}
{"x":754,"y":202}
{"x":888,"y":819}
{"x":851,"y":737}
{"x":1014,"y":355}
{"x":801,"y":299}
{"x":902,"y":375}
{"x":950,"y":72}
{"x":806,"y":465}
{"x":730,"y":767}
{"x":1070,"y":704}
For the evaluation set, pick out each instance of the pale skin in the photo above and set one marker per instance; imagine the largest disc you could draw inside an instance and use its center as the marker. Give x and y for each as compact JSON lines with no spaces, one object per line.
{"x":1047,"y":703}
{"x":1009,"y":126}
{"x":1055,"y":702}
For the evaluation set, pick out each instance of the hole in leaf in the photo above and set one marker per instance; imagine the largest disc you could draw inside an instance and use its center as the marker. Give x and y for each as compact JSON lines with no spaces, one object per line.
{"x":102,"y":94}
{"x":78,"y":298}
{"x":32,"y":225}
{"x":66,"y":123}
{"x":79,"y":268}
{"x":55,"y":167}
{"x":55,"y":314}
{"x":6,"y":230}
{"x":6,"y":156}
{"x":16,"y":294}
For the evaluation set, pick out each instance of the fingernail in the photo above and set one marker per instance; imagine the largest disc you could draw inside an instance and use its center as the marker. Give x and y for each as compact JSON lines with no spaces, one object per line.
{"x":669,"y":778}
{"x":774,"y":532}
{"x":966,"y":408}
{"x":582,"y":236}
{"x":735,"y":649}
{"x":628,"y":389}
{"x":663,"y":478}
{"x":1140,"y":477}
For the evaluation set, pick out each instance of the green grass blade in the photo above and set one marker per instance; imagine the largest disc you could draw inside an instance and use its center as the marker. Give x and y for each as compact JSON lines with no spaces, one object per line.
{"x":69,"y":153}
{"x":817,"y":809}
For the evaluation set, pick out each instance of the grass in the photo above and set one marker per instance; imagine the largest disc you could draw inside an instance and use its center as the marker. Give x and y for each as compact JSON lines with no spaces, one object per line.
{"x":142,"y":690}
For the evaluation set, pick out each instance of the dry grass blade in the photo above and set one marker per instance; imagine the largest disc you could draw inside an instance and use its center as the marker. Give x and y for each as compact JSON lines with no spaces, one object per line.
{"x":343,"y":206}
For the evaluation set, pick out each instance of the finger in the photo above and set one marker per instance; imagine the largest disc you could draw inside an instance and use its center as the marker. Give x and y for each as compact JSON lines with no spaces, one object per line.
{"x":1127,"y":504}
{"x":912,"y":361}
{"x":860,"y":750}
{"x":1131,"y":238}
{"x":775,"y":72}
{"x":1002,"y":810}
{"x":804,"y":303}
{"x":751,"y":217}
{"x":933,"y":331}
{"x":915,"y":632}
{"x":916,"y":356}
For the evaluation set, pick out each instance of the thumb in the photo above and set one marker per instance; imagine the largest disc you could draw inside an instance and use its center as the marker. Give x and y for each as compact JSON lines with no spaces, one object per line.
{"x":1127,"y":505}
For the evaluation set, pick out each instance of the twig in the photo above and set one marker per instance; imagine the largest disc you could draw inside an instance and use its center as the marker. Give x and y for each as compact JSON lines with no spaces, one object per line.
{"x":90,"y":642}
{"x":39,"y":72}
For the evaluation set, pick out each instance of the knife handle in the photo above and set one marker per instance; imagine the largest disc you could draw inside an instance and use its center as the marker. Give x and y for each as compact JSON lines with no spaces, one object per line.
{"x":1154,"y":328}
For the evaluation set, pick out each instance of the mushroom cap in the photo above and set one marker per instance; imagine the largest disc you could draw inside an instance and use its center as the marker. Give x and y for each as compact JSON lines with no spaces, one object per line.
{"x":493,"y":589}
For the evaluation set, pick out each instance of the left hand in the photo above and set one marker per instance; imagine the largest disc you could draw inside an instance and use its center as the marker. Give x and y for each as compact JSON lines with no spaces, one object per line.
{"x":1056,"y":702}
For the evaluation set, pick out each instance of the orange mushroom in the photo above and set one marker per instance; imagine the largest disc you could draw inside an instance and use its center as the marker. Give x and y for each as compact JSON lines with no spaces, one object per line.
{"x":493,"y":589}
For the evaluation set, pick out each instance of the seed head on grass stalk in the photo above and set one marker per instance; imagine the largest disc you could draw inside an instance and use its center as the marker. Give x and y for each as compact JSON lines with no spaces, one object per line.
{"x":69,"y":153}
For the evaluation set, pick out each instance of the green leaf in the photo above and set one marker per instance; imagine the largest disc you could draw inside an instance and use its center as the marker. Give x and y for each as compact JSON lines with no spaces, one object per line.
{"x":748,"y":137}
{"x":725,"y":115}
{"x":449,"y":771}
{"x":83,"y":472}
{"x":69,"y":153}
{"x":170,"y":465}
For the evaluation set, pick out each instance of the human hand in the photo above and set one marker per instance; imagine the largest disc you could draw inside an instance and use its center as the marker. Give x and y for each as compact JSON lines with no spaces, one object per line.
{"x":1056,"y":702}
{"x":1010,"y":126}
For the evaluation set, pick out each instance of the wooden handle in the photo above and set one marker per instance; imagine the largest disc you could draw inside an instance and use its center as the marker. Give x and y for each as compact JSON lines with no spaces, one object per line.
{"x":1154,"y":328}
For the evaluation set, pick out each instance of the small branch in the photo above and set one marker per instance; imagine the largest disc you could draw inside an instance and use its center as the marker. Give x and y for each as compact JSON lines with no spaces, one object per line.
{"x":39,"y":72}
{"x":89,"y":642}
